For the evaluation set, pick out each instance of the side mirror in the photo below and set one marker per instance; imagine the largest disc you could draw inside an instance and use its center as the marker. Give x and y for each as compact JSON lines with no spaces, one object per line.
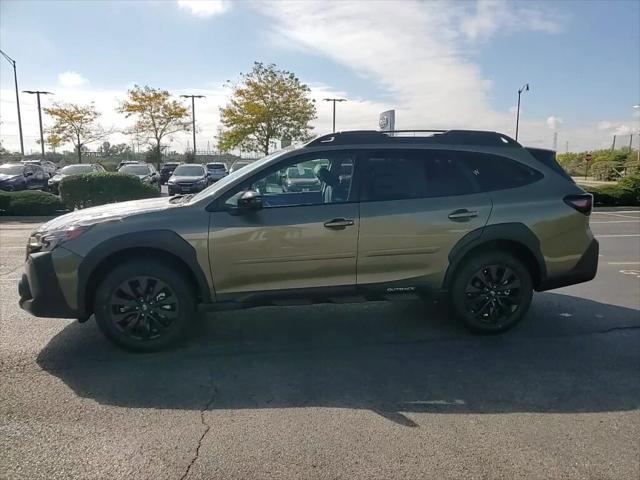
{"x":250,"y":200}
{"x":28,"y":173}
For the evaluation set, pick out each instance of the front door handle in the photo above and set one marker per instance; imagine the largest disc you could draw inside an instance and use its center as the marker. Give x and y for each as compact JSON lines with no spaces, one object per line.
{"x":462,"y":214}
{"x":338,"y":223}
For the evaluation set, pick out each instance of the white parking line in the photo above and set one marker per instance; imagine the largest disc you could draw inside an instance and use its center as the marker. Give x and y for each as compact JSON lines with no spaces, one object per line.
{"x":616,"y":211}
{"x":618,"y":214}
{"x":619,"y":221}
{"x":623,"y":263}
{"x":619,"y":235}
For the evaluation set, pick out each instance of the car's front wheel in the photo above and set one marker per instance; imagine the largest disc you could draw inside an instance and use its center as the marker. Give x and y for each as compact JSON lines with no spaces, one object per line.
{"x":491,"y":292}
{"x":144,"y":306}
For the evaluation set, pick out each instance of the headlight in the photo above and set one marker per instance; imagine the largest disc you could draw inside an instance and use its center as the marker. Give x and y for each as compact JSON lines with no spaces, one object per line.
{"x":47,"y":241}
{"x":171,"y":181}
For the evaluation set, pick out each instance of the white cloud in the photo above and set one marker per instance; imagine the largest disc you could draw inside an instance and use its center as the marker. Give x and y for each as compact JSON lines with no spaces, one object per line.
{"x":410,"y":52}
{"x":615,"y":128}
{"x":417,"y":54}
{"x":106,"y":102}
{"x":623,"y":130}
{"x":493,"y":16}
{"x":554,"y":122}
{"x":205,"y":8}
{"x":71,"y":79}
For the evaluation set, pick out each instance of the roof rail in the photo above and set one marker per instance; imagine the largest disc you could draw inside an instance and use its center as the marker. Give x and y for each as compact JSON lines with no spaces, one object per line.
{"x":445,"y":137}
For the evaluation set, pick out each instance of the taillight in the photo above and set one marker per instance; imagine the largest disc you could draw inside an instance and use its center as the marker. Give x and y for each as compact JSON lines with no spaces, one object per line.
{"x":582,"y":203}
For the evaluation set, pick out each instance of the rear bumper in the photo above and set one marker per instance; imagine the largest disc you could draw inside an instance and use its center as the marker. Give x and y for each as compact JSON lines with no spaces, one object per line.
{"x":585,"y":270}
{"x":39,"y":289}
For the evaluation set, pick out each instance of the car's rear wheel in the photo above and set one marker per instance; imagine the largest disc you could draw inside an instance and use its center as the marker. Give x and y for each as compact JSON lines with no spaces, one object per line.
{"x":144,"y":306}
{"x":491,"y":292}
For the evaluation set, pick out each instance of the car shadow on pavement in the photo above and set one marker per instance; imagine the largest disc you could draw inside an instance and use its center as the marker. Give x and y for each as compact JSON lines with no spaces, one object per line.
{"x":569,"y":355}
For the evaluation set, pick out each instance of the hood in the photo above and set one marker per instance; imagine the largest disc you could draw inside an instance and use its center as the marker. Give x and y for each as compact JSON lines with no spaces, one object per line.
{"x":59,"y":176}
{"x":189,"y":178}
{"x":106,"y":213}
{"x":4,"y":177}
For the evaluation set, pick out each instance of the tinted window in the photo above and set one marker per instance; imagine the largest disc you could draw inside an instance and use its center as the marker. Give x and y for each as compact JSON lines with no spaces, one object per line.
{"x":135,"y":169}
{"x":548,"y":158}
{"x":76,"y":169}
{"x":307,"y":180}
{"x":11,"y":169}
{"x":498,"y":173}
{"x":189,"y":171}
{"x":216,"y":166}
{"x":402,"y":174}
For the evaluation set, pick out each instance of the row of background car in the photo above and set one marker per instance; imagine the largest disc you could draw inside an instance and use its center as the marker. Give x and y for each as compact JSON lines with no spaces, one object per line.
{"x":194,"y":177}
{"x":44,"y":175}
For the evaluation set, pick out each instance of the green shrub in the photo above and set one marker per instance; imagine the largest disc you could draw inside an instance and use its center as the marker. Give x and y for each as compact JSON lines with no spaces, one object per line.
{"x":625,"y":192}
{"x":30,"y":202}
{"x":88,"y":190}
{"x":5,"y":200}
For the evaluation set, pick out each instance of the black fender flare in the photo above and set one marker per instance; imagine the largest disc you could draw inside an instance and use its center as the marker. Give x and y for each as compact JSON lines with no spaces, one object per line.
{"x":167,"y":241}
{"x":513,"y":232}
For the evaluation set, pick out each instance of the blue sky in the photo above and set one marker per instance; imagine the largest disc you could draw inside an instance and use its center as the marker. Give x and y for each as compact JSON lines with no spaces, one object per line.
{"x":440,"y":64}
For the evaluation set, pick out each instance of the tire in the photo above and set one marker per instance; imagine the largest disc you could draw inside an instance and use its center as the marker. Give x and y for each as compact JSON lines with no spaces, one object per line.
{"x":481,"y":297}
{"x":150,"y":321}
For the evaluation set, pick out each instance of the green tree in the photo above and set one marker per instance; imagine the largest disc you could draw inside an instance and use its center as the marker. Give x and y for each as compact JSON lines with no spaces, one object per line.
{"x":77,"y":124}
{"x":267,"y":104}
{"x":157,"y":116}
{"x":54,"y":141}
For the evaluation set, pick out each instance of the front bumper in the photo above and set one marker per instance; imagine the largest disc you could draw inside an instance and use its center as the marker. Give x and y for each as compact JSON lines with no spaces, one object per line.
{"x":585,"y":270}
{"x":39,"y":289}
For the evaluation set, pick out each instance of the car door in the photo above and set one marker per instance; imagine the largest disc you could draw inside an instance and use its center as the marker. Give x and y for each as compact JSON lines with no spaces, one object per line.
{"x":299,"y":240}
{"x":416,"y":204}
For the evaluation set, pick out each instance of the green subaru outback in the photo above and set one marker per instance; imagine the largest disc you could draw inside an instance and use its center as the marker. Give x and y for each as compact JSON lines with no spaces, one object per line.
{"x":471,"y":214}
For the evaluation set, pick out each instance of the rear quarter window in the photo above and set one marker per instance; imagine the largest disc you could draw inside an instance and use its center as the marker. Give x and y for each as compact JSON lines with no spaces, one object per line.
{"x":493,"y":172}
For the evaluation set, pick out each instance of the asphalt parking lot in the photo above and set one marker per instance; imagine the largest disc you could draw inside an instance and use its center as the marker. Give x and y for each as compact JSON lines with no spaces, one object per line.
{"x":379,"y":390}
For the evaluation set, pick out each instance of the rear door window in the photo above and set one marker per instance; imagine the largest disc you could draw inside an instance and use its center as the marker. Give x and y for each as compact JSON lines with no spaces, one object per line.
{"x":405,"y":174}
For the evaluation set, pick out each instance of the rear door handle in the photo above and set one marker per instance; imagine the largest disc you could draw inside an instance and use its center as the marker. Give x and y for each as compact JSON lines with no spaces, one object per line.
{"x":338,"y":223}
{"x":462,"y":214}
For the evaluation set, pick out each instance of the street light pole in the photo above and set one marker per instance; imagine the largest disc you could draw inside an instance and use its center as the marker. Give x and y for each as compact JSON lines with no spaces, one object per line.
{"x":193,"y":117}
{"x":334,"y":100}
{"x":524,"y":88}
{"x":37,"y":93}
{"x":15,"y":79}
{"x":637,"y":108}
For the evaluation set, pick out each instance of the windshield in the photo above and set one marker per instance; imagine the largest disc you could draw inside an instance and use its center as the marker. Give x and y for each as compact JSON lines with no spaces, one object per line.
{"x":135,"y":169}
{"x":233,"y":176}
{"x":298,"y":172}
{"x":189,"y":171}
{"x":215,"y":166}
{"x":76,"y":169}
{"x":11,"y":169}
